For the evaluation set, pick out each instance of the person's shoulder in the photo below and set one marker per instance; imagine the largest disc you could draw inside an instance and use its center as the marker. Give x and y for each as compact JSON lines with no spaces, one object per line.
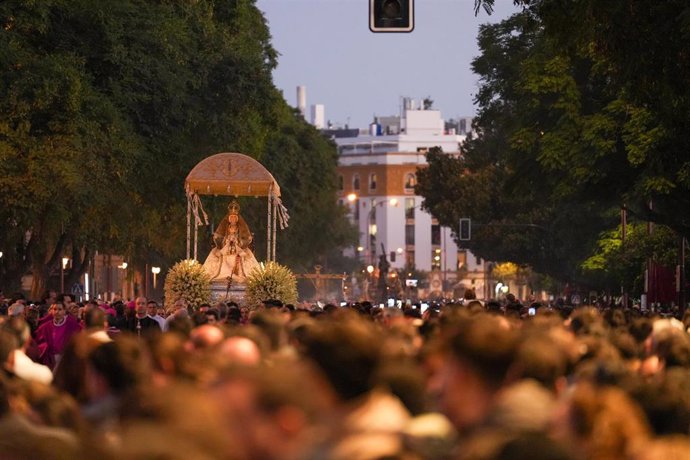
{"x":73,"y":322}
{"x":42,"y":326}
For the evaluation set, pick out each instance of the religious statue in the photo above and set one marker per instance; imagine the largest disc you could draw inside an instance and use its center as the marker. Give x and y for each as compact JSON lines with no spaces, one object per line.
{"x":231,"y":259}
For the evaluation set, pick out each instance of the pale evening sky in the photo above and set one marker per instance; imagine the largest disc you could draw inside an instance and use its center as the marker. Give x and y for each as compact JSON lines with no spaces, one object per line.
{"x":326,"y":46}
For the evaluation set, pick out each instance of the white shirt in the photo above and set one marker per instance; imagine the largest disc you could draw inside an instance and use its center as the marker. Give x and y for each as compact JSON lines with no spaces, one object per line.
{"x":26,"y":369}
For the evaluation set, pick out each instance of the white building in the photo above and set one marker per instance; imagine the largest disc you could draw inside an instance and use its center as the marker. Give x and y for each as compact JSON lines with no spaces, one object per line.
{"x":377,"y":175}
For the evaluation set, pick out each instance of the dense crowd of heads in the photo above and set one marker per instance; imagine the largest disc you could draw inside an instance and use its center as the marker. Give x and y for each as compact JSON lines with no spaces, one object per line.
{"x":461,"y":380}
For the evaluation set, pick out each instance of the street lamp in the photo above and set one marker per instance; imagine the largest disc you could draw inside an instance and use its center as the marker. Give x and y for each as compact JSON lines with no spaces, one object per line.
{"x":123,"y":267}
{"x":155,"y":271}
{"x":65,"y":261}
{"x":360,"y":249}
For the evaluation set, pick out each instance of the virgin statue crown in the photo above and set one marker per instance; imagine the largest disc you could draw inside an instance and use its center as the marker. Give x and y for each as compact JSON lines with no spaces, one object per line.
{"x":234,"y":208}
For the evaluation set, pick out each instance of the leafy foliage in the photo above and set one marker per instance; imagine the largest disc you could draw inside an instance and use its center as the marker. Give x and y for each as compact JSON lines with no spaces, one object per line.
{"x":621,"y":263}
{"x":106,"y":106}
{"x":272,"y":281}
{"x":187,"y":280}
{"x":581,"y":111}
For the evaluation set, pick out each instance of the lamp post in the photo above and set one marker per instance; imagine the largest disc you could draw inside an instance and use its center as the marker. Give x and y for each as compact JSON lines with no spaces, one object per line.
{"x":360,"y":249}
{"x":123,"y":266}
{"x":370,"y":271}
{"x":65,"y":261}
{"x":155,"y":271}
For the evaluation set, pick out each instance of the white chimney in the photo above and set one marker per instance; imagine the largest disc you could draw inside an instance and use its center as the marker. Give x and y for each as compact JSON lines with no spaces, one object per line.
{"x":302,"y":100}
{"x":318,"y":116}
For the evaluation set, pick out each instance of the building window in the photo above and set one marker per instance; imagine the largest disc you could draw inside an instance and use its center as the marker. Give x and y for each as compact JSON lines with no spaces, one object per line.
{"x":409,"y":235}
{"x":409,"y":258}
{"x":410,"y":182}
{"x":341,"y":183}
{"x":462,"y":260}
{"x":436,"y":235}
{"x":355,"y":181}
{"x":479,"y":260}
{"x":409,"y":208}
{"x":355,"y":209}
{"x":435,"y":259}
{"x":372,"y":181}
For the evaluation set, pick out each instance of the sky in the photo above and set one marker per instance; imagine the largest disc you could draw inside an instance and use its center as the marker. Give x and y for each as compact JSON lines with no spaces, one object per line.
{"x":326,"y":45}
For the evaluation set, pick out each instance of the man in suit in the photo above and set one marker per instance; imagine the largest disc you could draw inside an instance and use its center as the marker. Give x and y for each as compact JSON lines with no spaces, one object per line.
{"x":141,"y":323}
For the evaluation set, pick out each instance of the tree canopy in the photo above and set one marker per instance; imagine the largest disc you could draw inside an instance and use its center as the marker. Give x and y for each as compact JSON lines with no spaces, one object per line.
{"x":106,"y":106}
{"x":583,"y":110}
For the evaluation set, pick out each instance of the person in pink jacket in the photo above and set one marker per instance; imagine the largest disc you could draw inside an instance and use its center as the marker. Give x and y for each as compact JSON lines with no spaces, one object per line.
{"x":52,"y":336}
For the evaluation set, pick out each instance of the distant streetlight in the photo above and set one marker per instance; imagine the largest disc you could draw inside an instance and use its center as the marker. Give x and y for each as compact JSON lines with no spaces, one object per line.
{"x":65,"y":261}
{"x":360,"y":249}
{"x":351,"y":197}
{"x":155,"y":271}
{"x":123,"y":266}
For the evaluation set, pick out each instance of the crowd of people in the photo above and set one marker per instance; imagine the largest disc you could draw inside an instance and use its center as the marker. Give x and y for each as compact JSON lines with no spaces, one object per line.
{"x":461,"y":380}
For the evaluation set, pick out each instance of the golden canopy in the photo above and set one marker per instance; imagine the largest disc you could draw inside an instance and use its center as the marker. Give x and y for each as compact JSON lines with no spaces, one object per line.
{"x":231,"y":174}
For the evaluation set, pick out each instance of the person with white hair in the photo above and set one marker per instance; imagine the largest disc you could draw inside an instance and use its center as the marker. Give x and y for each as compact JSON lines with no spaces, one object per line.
{"x":22,"y":366}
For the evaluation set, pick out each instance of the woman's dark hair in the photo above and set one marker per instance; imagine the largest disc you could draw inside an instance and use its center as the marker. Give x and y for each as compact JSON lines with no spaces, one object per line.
{"x":123,"y":363}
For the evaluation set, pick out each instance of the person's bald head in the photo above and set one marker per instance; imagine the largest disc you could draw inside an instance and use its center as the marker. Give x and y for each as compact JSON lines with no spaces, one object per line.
{"x":241,"y":350}
{"x":206,"y":336}
{"x":140,"y":306}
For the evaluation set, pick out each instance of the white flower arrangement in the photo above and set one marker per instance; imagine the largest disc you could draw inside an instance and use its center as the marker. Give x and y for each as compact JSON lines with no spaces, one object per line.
{"x":271,"y":281}
{"x":187,"y":280}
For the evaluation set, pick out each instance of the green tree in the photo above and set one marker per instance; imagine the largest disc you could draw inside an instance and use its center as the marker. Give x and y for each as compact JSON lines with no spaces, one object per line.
{"x":581,"y":111}
{"x":622,"y":263}
{"x":106,"y":106}
{"x":632,"y":55}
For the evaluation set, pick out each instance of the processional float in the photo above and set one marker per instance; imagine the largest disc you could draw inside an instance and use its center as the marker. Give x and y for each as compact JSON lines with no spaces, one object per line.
{"x":232,"y":174}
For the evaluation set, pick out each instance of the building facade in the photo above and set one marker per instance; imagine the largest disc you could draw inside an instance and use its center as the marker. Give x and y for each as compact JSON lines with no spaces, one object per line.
{"x":377,"y":175}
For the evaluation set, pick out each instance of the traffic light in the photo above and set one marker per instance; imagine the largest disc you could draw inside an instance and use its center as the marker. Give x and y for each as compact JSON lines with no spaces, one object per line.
{"x":465,"y":231}
{"x":391,"y":15}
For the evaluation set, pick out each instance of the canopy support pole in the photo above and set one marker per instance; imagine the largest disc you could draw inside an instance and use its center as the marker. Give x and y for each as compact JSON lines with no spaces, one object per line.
{"x":196,"y":237}
{"x":275,"y":224}
{"x":268,"y":229}
{"x":189,"y":223}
